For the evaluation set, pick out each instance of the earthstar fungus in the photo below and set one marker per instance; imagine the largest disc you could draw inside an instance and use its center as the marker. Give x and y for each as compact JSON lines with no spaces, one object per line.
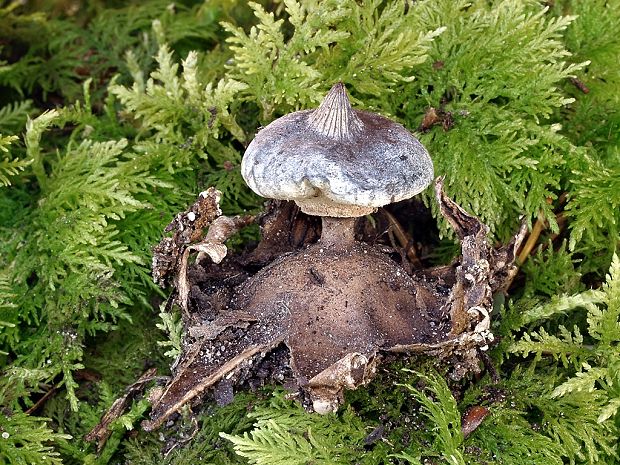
{"x":320,"y":315}
{"x":337,"y":163}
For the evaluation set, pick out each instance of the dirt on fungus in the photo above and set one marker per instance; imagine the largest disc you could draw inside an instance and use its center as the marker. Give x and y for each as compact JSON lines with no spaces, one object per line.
{"x":352,"y":300}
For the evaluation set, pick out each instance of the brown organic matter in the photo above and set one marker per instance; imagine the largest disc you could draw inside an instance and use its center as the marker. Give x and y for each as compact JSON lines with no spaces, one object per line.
{"x":320,"y":316}
{"x":331,"y":301}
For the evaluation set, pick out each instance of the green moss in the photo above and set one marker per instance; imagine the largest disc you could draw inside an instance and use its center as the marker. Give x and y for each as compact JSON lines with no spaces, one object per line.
{"x":111,"y":119}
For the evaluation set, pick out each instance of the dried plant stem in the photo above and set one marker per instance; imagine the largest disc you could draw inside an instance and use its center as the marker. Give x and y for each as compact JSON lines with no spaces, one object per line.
{"x":539,"y":225}
{"x":41,"y":401}
{"x":406,"y":242}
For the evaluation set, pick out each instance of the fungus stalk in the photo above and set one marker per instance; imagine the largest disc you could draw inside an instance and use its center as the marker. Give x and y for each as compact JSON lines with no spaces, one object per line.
{"x":337,"y":232}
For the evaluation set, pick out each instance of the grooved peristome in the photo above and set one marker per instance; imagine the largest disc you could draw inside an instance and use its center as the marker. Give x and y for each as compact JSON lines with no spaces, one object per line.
{"x":335,"y":118}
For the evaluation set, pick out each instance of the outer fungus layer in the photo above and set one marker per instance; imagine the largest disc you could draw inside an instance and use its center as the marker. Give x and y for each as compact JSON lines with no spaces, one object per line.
{"x":321,"y":319}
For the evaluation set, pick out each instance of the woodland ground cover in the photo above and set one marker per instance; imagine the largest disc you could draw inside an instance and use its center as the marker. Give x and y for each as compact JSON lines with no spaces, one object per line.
{"x":114,"y":116}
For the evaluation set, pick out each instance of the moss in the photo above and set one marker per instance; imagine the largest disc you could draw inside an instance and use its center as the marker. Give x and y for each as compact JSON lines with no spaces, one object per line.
{"x":112,"y":118}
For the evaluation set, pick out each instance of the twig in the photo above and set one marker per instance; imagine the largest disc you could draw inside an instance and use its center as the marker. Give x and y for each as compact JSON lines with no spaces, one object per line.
{"x":539,"y":225}
{"x":405,"y":241}
{"x":42,"y":400}
{"x":579,"y":85}
{"x":101,"y":432}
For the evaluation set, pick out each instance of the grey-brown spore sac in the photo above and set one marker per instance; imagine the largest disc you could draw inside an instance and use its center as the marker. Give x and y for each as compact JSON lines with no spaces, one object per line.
{"x":355,"y":159}
{"x":337,"y":301}
{"x":316,"y":305}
